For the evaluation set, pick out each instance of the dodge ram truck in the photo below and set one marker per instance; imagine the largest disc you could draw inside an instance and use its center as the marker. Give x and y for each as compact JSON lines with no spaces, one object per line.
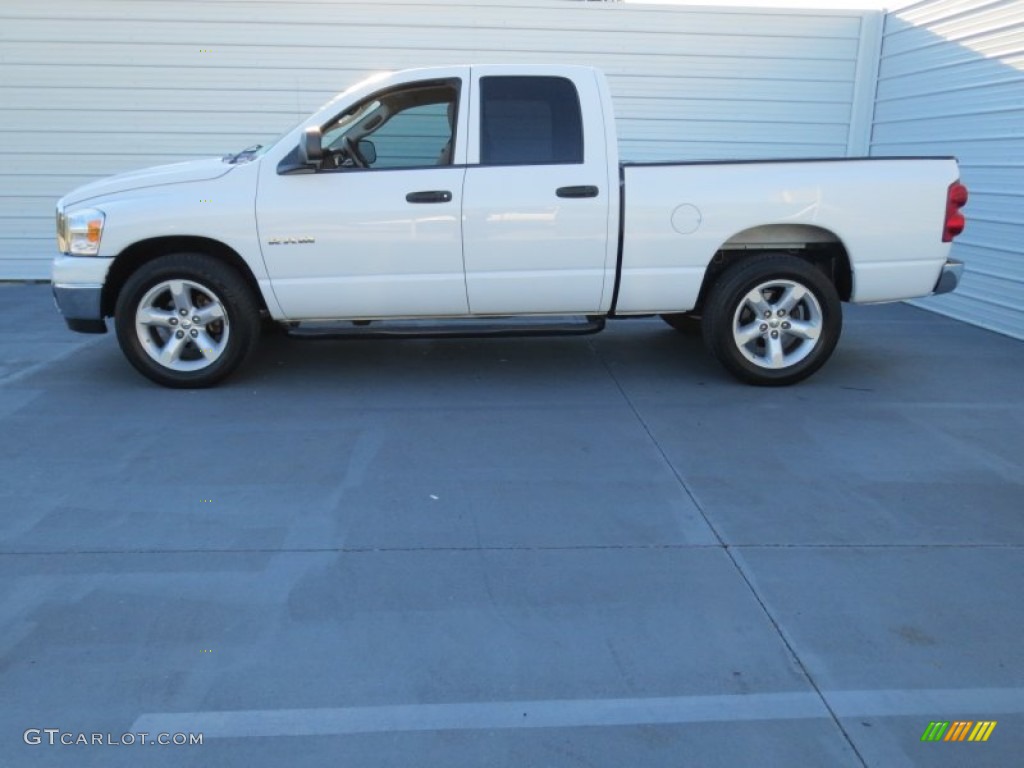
{"x":490,"y":200}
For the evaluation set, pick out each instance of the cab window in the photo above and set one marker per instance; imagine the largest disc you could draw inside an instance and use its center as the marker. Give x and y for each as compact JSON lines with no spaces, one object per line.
{"x":530,"y":121}
{"x":408,"y":127}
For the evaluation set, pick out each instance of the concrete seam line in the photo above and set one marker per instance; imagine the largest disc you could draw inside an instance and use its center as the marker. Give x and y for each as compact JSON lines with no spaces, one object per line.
{"x":36,"y":367}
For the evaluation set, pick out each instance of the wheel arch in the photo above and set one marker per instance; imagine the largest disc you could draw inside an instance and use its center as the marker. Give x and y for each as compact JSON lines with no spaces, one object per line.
{"x":817,"y":245}
{"x":144,"y":251}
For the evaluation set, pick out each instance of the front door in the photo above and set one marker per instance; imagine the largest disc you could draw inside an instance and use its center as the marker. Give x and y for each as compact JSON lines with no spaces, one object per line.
{"x":376,"y":231}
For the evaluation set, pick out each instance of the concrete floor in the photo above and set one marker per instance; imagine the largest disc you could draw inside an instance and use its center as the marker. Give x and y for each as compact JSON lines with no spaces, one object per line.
{"x":594,"y":551}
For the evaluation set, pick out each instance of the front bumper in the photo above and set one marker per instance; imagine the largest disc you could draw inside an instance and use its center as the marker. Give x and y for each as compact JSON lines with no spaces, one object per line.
{"x":950,"y":276}
{"x":80,"y":305}
{"x":78,"y":291}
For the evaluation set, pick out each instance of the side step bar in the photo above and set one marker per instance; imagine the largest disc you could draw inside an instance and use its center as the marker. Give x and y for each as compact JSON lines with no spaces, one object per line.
{"x":449,"y":329}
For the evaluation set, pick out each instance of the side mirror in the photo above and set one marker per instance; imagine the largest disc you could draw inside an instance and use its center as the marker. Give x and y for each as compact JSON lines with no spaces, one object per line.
{"x":368,"y":150}
{"x":311,"y":151}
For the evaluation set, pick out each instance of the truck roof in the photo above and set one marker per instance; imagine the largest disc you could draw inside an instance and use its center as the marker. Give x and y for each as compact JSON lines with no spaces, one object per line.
{"x":525,"y":69}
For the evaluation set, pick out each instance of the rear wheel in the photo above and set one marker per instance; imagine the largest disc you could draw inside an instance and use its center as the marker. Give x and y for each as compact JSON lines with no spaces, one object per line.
{"x":772,"y":320}
{"x":186,"y":320}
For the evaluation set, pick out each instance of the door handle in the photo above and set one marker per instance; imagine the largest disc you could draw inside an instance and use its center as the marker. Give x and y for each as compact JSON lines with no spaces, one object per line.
{"x":432,"y":196}
{"x":584,"y":191}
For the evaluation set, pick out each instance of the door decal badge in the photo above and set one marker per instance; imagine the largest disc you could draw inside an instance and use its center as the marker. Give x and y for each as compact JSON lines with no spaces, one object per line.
{"x":291,"y":240}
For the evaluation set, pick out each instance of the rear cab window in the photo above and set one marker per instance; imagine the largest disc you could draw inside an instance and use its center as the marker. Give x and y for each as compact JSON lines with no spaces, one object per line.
{"x":530,"y":121}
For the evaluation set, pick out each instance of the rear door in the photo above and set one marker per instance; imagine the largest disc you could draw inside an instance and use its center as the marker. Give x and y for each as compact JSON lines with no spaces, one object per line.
{"x":536,"y":197}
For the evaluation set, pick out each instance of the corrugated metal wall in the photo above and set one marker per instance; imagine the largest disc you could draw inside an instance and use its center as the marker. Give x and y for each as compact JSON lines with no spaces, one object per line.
{"x":93,"y":87}
{"x":951,"y":81}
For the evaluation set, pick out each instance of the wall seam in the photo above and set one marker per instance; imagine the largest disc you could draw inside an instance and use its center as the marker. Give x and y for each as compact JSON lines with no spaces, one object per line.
{"x":865,"y":84}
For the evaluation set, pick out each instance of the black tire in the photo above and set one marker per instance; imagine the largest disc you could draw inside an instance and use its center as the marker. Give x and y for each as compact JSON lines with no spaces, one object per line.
{"x":684,"y":322}
{"x":774,"y":353}
{"x":208,"y":351}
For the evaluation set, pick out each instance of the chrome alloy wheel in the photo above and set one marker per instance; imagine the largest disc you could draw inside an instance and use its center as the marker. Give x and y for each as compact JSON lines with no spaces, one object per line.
{"x":182,"y":325}
{"x":777,"y":324}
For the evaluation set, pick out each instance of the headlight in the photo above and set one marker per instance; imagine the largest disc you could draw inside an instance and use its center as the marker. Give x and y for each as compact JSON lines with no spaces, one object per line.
{"x":79,"y":233}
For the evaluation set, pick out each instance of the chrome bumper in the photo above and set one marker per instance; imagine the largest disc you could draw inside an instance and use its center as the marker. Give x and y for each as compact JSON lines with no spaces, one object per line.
{"x":950,"y":276}
{"x":80,"y":305}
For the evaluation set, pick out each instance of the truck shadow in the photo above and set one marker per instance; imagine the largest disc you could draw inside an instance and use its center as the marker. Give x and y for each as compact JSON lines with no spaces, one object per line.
{"x":558,"y":362}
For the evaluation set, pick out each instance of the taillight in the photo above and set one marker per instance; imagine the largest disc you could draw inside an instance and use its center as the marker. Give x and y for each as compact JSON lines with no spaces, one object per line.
{"x":956,"y":198}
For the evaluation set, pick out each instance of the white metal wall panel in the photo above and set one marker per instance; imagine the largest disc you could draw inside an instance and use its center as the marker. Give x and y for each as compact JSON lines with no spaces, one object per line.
{"x":93,"y":87}
{"x":951,"y":81}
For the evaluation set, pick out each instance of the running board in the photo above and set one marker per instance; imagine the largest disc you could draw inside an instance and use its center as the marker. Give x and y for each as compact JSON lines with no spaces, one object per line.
{"x":449,"y":329}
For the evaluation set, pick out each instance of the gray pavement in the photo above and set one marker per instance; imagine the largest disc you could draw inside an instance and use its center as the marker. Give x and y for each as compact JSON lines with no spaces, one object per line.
{"x":593,"y":551}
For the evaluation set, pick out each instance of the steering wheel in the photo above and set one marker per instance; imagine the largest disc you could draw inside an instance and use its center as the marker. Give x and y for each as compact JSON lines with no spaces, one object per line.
{"x":352,"y":150}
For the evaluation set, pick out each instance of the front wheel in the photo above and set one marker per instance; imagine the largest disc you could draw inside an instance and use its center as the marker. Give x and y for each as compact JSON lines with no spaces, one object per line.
{"x":772,"y":320}
{"x":186,"y":320}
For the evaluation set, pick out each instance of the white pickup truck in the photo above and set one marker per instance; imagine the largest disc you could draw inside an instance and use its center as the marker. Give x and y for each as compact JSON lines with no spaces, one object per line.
{"x":478,"y":200}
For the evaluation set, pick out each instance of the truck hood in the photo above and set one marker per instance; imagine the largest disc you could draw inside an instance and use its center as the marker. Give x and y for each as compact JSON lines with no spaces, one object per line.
{"x":175,"y":173}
